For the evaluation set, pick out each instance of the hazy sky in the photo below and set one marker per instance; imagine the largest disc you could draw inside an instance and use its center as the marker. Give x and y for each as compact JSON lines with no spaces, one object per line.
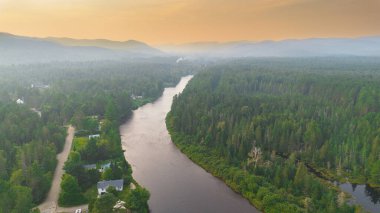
{"x":179,"y":21}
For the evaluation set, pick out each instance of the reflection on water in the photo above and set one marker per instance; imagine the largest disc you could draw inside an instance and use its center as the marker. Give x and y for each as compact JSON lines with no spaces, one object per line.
{"x":176,"y":184}
{"x":364,"y":195}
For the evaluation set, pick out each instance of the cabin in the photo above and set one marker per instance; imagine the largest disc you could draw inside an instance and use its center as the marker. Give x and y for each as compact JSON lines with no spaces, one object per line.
{"x":103,"y":185}
{"x":93,"y":136}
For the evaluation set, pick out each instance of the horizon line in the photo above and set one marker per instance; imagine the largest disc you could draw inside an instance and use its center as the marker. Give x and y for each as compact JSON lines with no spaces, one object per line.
{"x":195,"y":42}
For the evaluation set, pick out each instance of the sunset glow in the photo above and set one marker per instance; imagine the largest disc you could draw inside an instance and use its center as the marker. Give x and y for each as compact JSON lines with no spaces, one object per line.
{"x":180,"y":21}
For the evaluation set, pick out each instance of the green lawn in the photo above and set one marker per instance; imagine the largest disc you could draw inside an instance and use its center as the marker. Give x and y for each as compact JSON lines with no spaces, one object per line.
{"x":79,"y":143}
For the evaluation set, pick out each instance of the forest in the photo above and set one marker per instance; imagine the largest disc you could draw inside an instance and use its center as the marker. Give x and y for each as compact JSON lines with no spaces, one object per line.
{"x":259,"y":124}
{"x":38,"y":102}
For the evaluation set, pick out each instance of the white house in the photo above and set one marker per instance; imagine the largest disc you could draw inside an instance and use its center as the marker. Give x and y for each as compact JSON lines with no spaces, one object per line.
{"x":134,"y":97}
{"x":103,"y":185}
{"x":93,"y":136}
{"x":103,"y":167}
{"x":20,"y":101}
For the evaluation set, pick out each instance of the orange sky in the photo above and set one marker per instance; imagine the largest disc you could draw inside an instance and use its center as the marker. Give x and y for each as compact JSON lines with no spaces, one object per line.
{"x":181,"y":21}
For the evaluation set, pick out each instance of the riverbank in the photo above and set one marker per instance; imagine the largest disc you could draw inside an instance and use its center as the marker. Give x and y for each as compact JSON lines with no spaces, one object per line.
{"x":261,"y":193}
{"x":200,"y":155}
{"x":219,"y":168}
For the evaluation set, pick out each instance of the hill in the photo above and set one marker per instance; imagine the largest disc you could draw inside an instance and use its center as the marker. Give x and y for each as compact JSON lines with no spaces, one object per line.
{"x":20,"y":50}
{"x":130,"y":45}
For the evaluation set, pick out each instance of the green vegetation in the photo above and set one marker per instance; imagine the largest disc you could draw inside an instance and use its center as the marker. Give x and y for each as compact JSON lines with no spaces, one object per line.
{"x":28,"y":148}
{"x":238,"y":118}
{"x":104,"y":150}
{"x":69,"y":93}
{"x":79,"y":143}
{"x":70,"y":194}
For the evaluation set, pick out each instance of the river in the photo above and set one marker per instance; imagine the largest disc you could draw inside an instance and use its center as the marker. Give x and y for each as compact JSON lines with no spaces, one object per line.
{"x":176,"y":184}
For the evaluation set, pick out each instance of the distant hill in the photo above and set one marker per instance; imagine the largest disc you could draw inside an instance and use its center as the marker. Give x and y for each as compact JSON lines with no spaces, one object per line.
{"x":365,"y":46}
{"x":130,"y":45}
{"x":20,"y":50}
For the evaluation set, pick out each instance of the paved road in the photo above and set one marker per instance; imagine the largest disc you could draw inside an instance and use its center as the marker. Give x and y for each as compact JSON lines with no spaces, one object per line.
{"x":50,"y":205}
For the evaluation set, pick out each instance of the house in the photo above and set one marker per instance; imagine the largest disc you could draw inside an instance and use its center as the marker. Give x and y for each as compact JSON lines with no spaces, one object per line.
{"x":89,"y":166}
{"x":134,"y":97}
{"x":20,"y":101}
{"x":40,"y":86}
{"x":179,"y":60}
{"x":93,"y":136}
{"x":103,"y":185}
{"x":103,"y":167}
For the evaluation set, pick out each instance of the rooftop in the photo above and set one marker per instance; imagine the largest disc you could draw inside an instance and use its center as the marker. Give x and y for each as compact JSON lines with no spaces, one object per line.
{"x":114,"y":183}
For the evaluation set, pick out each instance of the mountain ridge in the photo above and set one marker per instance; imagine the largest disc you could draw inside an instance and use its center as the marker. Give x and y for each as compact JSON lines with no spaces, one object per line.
{"x":130,"y":45}
{"x":15,"y":49}
{"x":309,"y":47}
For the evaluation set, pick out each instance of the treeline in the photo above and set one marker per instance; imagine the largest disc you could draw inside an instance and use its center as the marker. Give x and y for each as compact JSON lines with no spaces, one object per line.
{"x":324,"y":112}
{"x":28,"y":148}
{"x":87,"y":87}
{"x":65,"y":93}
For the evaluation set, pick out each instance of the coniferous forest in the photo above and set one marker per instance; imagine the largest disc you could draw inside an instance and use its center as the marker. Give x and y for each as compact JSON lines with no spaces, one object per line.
{"x":278,"y":131}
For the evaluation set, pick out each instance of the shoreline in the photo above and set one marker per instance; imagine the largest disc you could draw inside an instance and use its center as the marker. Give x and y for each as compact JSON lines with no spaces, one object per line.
{"x":181,"y":146}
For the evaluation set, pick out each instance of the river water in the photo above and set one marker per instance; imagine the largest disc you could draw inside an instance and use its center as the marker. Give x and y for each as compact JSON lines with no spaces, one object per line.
{"x":176,"y":184}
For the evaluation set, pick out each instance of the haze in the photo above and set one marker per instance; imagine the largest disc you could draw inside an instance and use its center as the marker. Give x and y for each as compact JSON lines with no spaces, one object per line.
{"x":182,"y":21}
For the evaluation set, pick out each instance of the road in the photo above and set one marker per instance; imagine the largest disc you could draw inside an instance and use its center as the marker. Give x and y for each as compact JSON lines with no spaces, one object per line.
{"x":50,"y":205}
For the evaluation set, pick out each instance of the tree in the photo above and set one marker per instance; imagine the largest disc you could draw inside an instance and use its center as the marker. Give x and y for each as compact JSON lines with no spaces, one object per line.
{"x":3,"y":165}
{"x":111,"y":111}
{"x":137,"y":200}
{"x":22,"y":199}
{"x":70,"y":194}
{"x":254,"y":156}
{"x":14,"y":198}
{"x":375,"y":173}
{"x":105,"y":203}
{"x":73,"y":165}
{"x":299,"y":178}
{"x":341,"y":199}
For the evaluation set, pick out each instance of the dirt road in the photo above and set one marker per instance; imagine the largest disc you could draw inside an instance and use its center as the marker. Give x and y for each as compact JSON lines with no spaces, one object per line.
{"x":50,"y":205}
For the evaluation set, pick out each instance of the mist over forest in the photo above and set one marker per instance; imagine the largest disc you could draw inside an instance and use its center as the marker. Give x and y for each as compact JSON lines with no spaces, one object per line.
{"x":283,"y":123}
